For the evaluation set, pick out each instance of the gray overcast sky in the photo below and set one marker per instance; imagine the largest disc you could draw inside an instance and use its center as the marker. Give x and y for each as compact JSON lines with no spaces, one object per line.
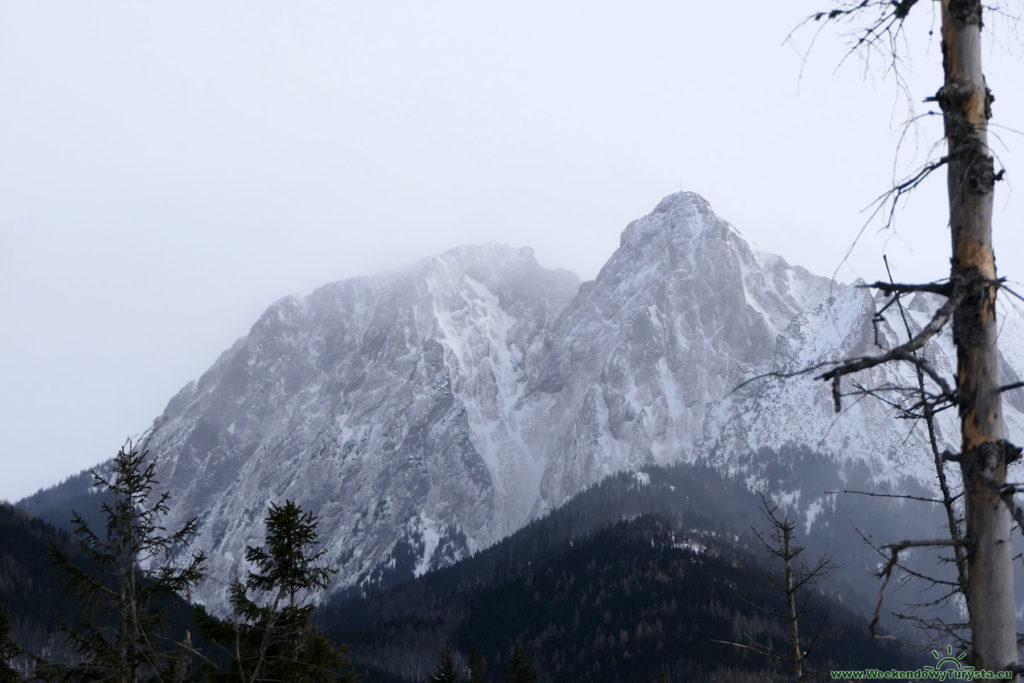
{"x":168,"y":169}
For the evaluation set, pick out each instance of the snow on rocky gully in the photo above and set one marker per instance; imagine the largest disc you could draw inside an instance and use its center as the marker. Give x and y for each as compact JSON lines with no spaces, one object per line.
{"x":431,"y":411}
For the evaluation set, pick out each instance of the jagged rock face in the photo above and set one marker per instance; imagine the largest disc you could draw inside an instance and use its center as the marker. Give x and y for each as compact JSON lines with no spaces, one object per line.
{"x":428,"y":413}
{"x":679,"y":314}
{"x":384,"y":404}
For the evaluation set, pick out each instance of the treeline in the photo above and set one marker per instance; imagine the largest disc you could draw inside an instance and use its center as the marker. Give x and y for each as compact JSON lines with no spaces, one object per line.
{"x":123,"y":615}
{"x":589,"y":598}
{"x":572,"y":596}
{"x":27,"y":580}
{"x":638,"y":601}
{"x":117,"y":589}
{"x":683,"y":494}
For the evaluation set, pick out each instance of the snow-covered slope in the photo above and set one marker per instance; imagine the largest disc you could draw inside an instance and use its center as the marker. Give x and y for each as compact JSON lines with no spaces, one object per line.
{"x":384,"y":404}
{"x":427,"y":413}
{"x":683,"y":311}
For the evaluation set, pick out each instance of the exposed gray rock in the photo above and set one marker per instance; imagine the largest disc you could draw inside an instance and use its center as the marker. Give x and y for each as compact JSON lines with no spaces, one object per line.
{"x":427,"y":413}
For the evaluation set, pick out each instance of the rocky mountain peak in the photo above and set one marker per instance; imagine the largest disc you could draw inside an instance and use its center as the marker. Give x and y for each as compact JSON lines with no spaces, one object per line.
{"x":513,"y":275}
{"x":679,"y":216}
{"x":426,"y":413}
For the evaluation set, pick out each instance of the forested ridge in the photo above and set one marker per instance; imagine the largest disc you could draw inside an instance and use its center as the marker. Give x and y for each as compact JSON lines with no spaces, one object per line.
{"x":642,"y":599}
{"x":30,"y":583}
{"x":632,"y":580}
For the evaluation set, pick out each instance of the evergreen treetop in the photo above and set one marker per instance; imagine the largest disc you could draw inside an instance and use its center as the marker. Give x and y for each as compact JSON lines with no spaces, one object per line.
{"x":519,"y":669}
{"x":445,"y":672}
{"x":118,"y":636}
{"x":272,"y":636}
{"x":8,"y":651}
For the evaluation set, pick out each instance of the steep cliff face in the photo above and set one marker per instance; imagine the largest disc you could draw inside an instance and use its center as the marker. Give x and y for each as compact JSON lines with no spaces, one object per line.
{"x":385,"y":404}
{"x":427,"y":413}
{"x":681,"y":313}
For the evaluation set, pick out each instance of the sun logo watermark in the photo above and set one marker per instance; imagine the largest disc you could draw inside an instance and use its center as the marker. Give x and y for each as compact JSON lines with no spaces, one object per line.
{"x":948,"y":658}
{"x":947,"y":667}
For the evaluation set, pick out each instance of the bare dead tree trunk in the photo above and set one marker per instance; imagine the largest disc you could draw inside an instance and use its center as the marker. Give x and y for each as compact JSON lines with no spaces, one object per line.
{"x":966,"y":105}
{"x":983,"y":554}
{"x":780,"y":542}
{"x":794,"y":632}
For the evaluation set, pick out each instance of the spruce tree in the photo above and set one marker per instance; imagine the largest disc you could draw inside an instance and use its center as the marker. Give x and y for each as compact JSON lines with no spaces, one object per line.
{"x":8,"y":651}
{"x":118,"y":636}
{"x":519,"y":669}
{"x":476,"y":666}
{"x":445,"y":672}
{"x":272,"y":636}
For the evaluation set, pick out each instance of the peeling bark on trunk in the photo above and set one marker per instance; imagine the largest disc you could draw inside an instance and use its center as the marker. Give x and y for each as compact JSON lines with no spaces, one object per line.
{"x":966,"y":104}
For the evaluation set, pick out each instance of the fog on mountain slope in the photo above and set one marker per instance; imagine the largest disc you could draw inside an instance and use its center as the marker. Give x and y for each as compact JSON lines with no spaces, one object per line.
{"x":425,"y":414}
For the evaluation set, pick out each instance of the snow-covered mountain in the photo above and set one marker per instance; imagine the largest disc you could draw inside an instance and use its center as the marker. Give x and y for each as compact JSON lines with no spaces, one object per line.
{"x":427,"y":413}
{"x":683,"y":311}
{"x":385,"y":404}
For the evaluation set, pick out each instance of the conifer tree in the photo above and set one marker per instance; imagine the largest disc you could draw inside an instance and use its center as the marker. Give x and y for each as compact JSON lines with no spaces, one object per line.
{"x":272,"y":636}
{"x":519,"y":669}
{"x":8,"y":651}
{"x":117,"y":637}
{"x":477,"y":665}
{"x":445,"y":672}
